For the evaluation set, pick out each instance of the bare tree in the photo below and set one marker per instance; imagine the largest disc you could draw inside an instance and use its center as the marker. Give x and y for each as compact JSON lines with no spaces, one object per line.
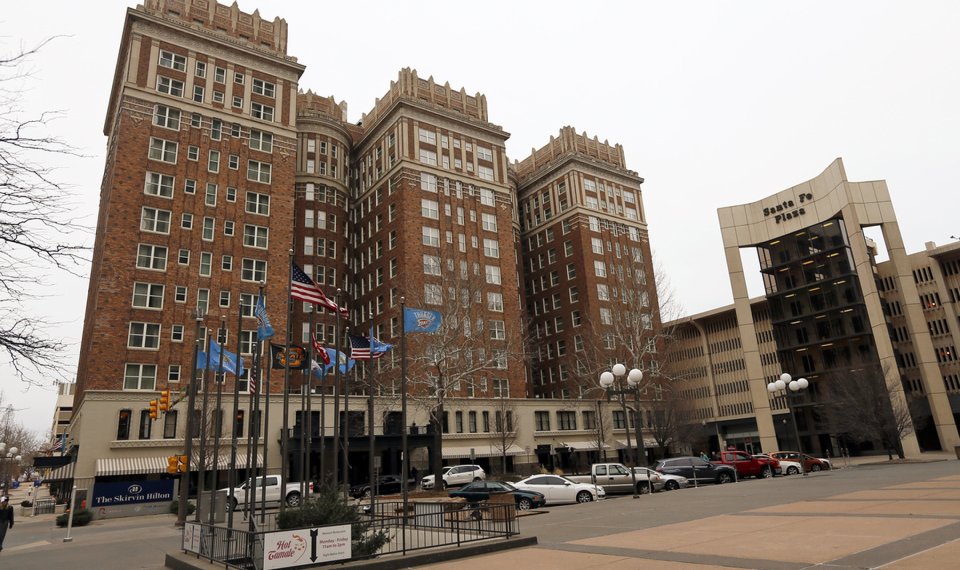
{"x":505,"y":429}
{"x":670,"y":417}
{"x":466,"y":353}
{"x":858,"y":403}
{"x":14,"y":434}
{"x":35,"y":222}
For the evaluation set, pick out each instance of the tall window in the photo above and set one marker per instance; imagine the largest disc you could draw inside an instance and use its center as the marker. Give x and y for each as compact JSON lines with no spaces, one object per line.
{"x":170,"y":424}
{"x":261,"y":111}
{"x":253,"y":270}
{"x":431,"y":236}
{"x":260,"y":140}
{"x":145,"y":424}
{"x":257,"y":204}
{"x":123,"y":424}
{"x":541,"y":420}
{"x":567,"y":420}
{"x":492,"y":274}
{"x":255,"y":236}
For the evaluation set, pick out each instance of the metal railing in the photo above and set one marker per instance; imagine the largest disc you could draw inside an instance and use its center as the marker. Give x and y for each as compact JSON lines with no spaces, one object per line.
{"x":426,"y":525}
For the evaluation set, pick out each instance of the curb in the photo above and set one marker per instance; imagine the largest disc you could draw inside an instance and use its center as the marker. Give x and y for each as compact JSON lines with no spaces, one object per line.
{"x":182,"y":561}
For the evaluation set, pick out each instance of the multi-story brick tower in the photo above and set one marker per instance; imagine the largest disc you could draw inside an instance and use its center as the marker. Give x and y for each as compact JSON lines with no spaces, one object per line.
{"x":591,"y":294}
{"x":197,"y":194}
{"x":434,"y":221}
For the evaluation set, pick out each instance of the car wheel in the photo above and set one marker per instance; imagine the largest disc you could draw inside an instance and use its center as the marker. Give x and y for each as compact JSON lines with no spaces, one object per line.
{"x":766,"y":473}
{"x":815,"y":468}
{"x":524,"y":504}
{"x":724,"y":478}
{"x":366,"y":494}
{"x":643,"y":489}
{"x":671,"y":485}
{"x":792,"y":470}
{"x":584,"y":497}
{"x":231,"y":504}
{"x":293,"y":499}
{"x":475,"y":479}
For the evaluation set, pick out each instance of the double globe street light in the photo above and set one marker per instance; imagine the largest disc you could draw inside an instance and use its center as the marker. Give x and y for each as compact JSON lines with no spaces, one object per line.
{"x":11,"y":455}
{"x":608,"y":380}
{"x":795,"y":386}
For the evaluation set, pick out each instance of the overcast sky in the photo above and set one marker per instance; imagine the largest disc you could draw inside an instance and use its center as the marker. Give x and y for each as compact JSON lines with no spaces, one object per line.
{"x":715,"y":103}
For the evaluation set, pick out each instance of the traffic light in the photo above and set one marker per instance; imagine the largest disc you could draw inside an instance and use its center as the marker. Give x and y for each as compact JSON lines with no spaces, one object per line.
{"x":176,"y":464}
{"x":164,"y":400}
{"x":182,"y":463}
{"x":153,"y":409}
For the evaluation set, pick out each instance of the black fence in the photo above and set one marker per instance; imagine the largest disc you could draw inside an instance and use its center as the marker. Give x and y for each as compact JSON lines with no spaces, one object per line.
{"x":425,"y":525}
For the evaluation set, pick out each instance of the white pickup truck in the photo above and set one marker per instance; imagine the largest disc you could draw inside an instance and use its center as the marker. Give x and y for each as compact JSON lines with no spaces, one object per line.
{"x":616,"y":478}
{"x":271,"y":484}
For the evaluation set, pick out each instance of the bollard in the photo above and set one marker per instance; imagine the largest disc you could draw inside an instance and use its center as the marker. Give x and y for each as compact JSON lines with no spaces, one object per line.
{"x":73,"y":498}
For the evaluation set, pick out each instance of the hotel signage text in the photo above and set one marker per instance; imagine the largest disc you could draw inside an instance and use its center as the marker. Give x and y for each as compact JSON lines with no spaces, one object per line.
{"x":787,"y":210}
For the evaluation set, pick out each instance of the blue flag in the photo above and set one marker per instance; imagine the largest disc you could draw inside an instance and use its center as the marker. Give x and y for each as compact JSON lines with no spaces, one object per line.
{"x":337,"y":357}
{"x":421,"y":320}
{"x":211,"y":361}
{"x":264,"y":328}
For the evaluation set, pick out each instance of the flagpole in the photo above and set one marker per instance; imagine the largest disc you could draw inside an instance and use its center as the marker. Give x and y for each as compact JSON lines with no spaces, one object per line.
{"x":303,"y":439}
{"x":232,"y":475}
{"x":336,"y":395}
{"x":371,"y":439}
{"x":202,"y":464}
{"x":219,"y":379}
{"x":308,"y":421}
{"x":323,"y":419}
{"x":253,"y":439}
{"x":346,"y":421}
{"x":404,"y":460}
{"x":266,"y":439}
{"x":188,"y":438}
{"x":284,"y":442}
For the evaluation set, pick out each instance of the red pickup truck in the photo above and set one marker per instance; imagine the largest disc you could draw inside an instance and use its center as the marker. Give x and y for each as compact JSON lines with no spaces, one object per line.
{"x":748,"y":465}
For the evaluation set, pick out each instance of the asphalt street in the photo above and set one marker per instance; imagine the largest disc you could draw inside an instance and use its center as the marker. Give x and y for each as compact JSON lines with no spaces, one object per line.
{"x":580,"y":530}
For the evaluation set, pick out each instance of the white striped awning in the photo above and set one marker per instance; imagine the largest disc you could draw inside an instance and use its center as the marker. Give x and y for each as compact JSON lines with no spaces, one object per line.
{"x":61,"y":473}
{"x":582,"y":445}
{"x":484,"y":451}
{"x":646,"y":443}
{"x":147,"y":465}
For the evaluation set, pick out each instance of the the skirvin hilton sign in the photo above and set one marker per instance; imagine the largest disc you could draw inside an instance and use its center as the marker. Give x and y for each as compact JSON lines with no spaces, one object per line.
{"x":787,"y":210}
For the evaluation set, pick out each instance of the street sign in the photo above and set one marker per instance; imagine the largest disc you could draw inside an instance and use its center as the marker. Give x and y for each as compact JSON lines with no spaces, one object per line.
{"x":306,"y":546}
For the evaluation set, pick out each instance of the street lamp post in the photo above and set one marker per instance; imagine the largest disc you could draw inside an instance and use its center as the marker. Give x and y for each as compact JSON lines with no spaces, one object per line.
{"x":785,"y":383}
{"x":10,"y":456}
{"x":608,"y":380}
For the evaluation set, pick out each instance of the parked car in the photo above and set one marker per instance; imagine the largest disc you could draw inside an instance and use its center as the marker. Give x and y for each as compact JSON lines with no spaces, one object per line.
{"x":787,"y":467}
{"x":810,"y":463}
{"x":481,"y":491}
{"x":455,"y":475}
{"x":557,"y":489}
{"x":655,"y":481}
{"x":386,"y":485}
{"x":614,"y":478}
{"x":664,"y":481}
{"x":749,"y":465}
{"x":271,"y":486}
{"x":696,"y":469}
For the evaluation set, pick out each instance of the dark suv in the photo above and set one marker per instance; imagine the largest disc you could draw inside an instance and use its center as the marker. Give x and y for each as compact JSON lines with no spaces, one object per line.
{"x":694,"y":468}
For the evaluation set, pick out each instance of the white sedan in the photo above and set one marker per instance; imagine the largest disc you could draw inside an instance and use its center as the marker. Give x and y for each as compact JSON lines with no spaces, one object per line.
{"x":558,"y":489}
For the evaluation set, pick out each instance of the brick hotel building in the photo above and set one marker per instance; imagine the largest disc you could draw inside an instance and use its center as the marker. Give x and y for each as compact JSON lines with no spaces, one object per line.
{"x":219,"y":164}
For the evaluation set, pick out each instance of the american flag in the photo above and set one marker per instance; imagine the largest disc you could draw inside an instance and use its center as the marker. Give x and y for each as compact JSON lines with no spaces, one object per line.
{"x":362,"y":349}
{"x":303,"y":288}
{"x":321,"y":351}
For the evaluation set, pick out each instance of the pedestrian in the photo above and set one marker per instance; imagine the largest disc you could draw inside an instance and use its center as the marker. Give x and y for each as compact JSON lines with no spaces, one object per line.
{"x":704,"y":456}
{"x":6,"y":518}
